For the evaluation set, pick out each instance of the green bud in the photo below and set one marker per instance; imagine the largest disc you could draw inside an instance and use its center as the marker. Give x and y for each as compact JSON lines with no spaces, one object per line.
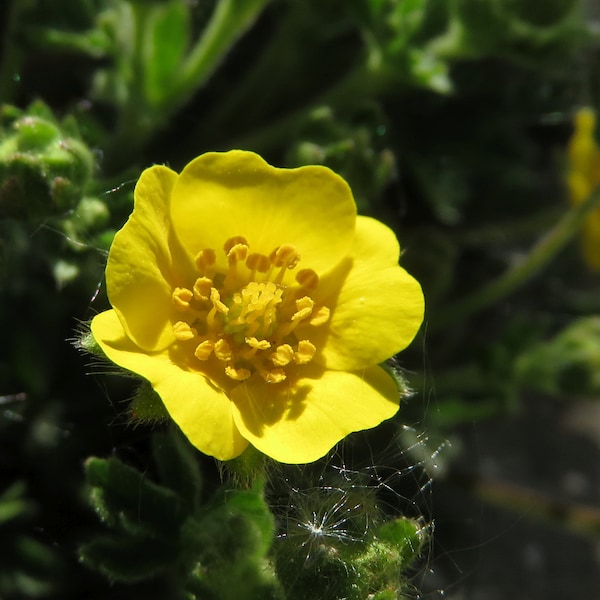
{"x":35,"y":134}
{"x":87,"y":342}
{"x":92,"y":213}
{"x":43,"y":169}
{"x":355,"y":148}
{"x":567,"y":364}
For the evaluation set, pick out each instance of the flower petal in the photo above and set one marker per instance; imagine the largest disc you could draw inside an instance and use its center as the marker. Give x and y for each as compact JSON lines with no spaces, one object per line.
{"x":299,"y":423}
{"x":202,"y":411}
{"x":379,"y":308}
{"x":222,"y":195}
{"x":139,"y":274}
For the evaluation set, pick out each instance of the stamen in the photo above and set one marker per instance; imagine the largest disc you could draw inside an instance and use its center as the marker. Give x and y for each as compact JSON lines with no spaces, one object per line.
{"x":237,"y":254}
{"x":183,"y":332}
{"x":223,"y":350}
{"x":218,"y":306}
{"x":307,"y":278}
{"x":320,"y":316}
{"x":234,"y":241}
{"x":237,"y":374}
{"x":304,"y":354}
{"x":249,"y":323}
{"x":215,"y":298}
{"x":258,"y":262}
{"x":285,"y":255}
{"x":204,"y":350}
{"x":274,"y":376}
{"x":283,"y":355}
{"x":258,"y":344}
{"x":304,"y":308}
{"x":202,"y":288}
{"x":181,"y":298}
{"x":205,"y":258}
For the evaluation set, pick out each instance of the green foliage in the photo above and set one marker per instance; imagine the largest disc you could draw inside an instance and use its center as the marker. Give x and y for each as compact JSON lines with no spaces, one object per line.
{"x":27,"y":564}
{"x":212,"y":547}
{"x":328,"y":566}
{"x":43,"y":168}
{"x":569,"y":363}
{"x":449,"y":118}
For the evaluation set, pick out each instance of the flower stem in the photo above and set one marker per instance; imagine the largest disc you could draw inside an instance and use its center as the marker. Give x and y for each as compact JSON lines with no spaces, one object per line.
{"x":539,"y":256}
{"x":231,"y":18}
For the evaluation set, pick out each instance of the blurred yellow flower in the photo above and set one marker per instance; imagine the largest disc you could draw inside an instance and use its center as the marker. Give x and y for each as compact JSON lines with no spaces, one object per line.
{"x":583,"y":177}
{"x":258,"y":305}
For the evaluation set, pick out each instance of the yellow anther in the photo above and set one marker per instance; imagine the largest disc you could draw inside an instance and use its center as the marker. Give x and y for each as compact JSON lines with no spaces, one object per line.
{"x":203,"y":350}
{"x":305,"y":352}
{"x":283,"y":355}
{"x":223,"y":350}
{"x":237,"y":374}
{"x":320,"y":316}
{"x":234,"y":241}
{"x":181,"y":298}
{"x":304,"y":307}
{"x":258,"y":262}
{"x":215,"y":298}
{"x":237,"y":254}
{"x":258,"y":344}
{"x":205,"y":258}
{"x":183,"y":332}
{"x":236,"y":314}
{"x":273,"y":376}
{"x":307,"y":278}
{"x":202,"y":288}
{"x":285,"y":255}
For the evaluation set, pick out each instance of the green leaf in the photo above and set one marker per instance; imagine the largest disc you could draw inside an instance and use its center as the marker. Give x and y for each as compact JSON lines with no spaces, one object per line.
{"x":128,"y":497}
{"x":165,"y":40}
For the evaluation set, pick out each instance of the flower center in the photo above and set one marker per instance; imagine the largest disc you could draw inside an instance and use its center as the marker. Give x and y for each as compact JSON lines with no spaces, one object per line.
{"x":244,"y":319}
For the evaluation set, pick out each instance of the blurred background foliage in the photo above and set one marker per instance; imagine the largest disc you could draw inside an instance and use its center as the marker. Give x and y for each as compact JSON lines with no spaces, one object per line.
{"x":451,"y":120}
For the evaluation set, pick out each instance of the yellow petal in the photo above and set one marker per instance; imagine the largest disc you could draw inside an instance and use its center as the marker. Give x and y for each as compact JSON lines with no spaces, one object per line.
{"x":301,"y":422}
{"x":222,"y":195}
{"x":202,"y":411}
{"x":379,"y":309}
{"x":140,"y":274}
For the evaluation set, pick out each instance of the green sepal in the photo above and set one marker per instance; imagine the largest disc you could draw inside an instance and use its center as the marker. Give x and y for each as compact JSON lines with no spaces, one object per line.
{"x":394,"y":372}
{"x":146,"y":406}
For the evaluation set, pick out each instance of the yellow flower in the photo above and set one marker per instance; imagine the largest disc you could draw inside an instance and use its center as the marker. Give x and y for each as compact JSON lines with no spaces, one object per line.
{"x":258,"y":305}
{"x":583,"y":178}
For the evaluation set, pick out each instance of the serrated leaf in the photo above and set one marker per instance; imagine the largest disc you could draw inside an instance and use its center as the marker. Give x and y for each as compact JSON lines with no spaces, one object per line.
{"x":131,"y":499}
